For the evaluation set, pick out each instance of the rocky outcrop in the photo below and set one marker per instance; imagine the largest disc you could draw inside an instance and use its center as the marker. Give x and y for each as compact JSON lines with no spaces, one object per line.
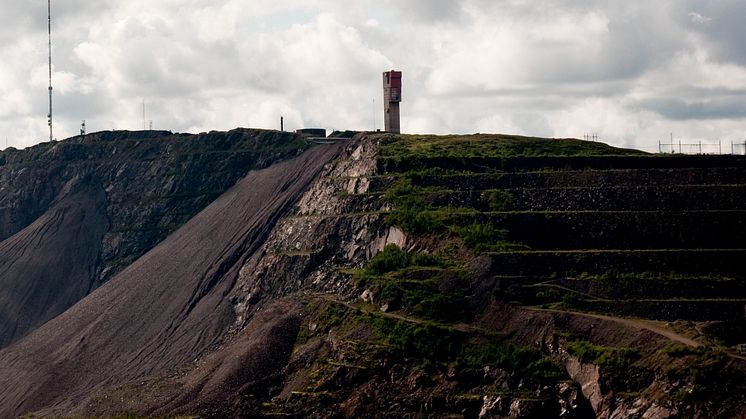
{"x":325,"y":232}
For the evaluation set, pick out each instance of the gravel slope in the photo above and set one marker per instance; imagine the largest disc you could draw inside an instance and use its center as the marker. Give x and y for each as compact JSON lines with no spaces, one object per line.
{"x":166,"y":309}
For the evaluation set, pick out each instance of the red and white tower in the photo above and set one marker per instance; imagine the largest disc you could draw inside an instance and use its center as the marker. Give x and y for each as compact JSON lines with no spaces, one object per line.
{"x":391,"y":100}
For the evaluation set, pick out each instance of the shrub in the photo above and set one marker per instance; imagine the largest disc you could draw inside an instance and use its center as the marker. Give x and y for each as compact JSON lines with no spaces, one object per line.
{"x":679,"y":351}
{"x":497,"y":200}
{"x":420,"y":340}
{"x":530,"y":362}
{"x":424,"y":298}
{"x":391,"y":258}
{"x":602,"y":355}
{"x":410,"y":209}
{"x":485,"y":238}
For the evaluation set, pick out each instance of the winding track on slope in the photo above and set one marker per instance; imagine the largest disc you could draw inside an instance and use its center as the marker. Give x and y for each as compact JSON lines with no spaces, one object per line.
{"x":649,"y":325}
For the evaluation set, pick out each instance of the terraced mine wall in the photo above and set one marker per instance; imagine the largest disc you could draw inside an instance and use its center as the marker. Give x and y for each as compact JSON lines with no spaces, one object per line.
{"x":340,"y":283}
{"x":476,"y":164}
{"x":621,"y":239}
{"x":669,"y":229}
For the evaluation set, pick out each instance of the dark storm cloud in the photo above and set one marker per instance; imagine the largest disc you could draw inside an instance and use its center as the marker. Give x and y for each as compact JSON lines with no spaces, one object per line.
{"x":427,"y":11}
{"x":721,"y":22}
{"x":678,"y":109}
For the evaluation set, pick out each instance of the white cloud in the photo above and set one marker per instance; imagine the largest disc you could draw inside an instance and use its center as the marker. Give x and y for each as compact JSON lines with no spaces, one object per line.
{"x":699,"y":19}
{"x":630,"y":71}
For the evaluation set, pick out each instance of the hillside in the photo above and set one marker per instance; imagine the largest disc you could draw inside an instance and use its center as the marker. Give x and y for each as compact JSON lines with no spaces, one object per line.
{"x":74,"y":213}
{"x":165,"y":309}
{"x":413,"y":276}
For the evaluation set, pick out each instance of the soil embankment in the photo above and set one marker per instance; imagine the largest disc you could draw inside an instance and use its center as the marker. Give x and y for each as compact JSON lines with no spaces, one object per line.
{"x":49,"y":264}
{"x":165,"y":310}
{"x":74,"y":213}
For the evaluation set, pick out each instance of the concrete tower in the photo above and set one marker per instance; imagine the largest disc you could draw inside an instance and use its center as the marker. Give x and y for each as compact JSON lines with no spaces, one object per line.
{"x":391,"y":99}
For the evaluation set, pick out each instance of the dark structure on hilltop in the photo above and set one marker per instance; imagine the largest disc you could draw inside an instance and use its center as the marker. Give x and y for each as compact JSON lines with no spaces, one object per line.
{"x":391,"y":99}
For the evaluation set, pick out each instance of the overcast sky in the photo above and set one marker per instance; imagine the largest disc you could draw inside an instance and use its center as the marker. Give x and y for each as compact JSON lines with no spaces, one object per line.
{"x":632,"y":71}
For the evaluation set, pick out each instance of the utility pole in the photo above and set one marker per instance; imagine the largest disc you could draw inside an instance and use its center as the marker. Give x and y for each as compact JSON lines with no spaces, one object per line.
{"x":49,"y":28}
{"x":672,"y":149}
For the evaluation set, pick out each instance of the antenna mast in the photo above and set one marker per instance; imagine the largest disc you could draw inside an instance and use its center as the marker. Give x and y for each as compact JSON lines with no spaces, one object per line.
{"x":49,"y":26}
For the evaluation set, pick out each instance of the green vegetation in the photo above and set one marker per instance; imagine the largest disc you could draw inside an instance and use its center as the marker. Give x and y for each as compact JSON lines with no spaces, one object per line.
{"x":422,"y":284}
{"x":438,"y":344}
{"x":426,"y":180}
{"x":679,"y":351}
{"x":497,"y":200}
{"x":492,"y":145}
{"x":425,"y":287}
{"x":391,"y":258}
{"x":413,"y":207}
{"x":602,"y":355}
{"x":415,"y":215}
{"x":411,"y":211}
{"x":434,"y":343}
{"x":498,"y":354}
{"x":424,"y":298}
{"x":709,"y":376}
{"x":332,"y":316}
{"x":615,"y":276}
{"x":485,"y":238}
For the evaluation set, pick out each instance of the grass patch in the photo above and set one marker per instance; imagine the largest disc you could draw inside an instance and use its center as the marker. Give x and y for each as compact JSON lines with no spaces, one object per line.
{"x":497,"y":200}
{"x":425,"y":298}
{"x":605,"y":356}
{"x":485,"y":238}
{"x":709,"y":377}
{"x":435,"y":345}
{"x":612,"y":275}
{"x":392,"y":258}
{"x":417,"y":283}
{"x":411,"y":209}
{"x":430,"y":342}
{"x":492,"y":145}
{"x":679,"y":351}
{"x":497,"y":354}
{"x":414,"y":214}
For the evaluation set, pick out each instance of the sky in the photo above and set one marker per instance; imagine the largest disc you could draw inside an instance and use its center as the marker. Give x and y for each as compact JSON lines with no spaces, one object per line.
{"x":634,"y":72}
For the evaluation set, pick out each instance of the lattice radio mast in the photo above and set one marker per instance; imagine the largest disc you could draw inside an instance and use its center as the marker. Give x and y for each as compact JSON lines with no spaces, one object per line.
{"x":49,"y":26}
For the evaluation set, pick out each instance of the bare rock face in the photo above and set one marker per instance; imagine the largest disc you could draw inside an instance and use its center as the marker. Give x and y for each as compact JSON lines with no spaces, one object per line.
{"x":589,"y":377}
{"x":326,"y":230}
{"x":604,"y":402}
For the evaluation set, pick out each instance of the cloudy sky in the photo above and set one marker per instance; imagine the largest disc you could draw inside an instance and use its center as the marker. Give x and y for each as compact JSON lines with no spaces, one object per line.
{"x":632,"y":71}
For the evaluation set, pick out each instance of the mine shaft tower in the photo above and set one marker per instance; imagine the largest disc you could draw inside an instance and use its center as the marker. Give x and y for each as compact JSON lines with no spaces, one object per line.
{"x":391,"y":100}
